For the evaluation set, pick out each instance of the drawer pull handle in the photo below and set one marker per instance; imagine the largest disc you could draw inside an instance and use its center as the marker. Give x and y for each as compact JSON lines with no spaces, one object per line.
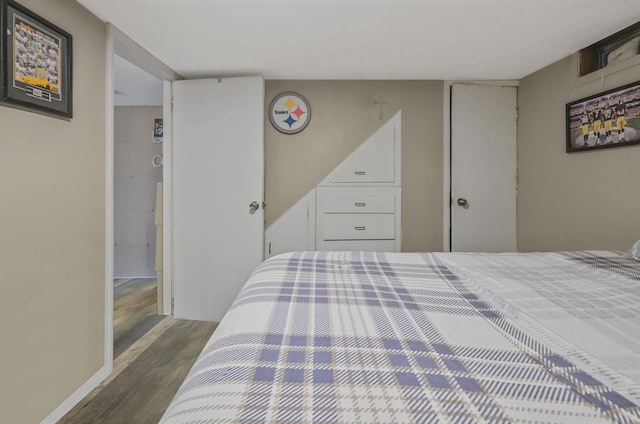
{"x":360,"y":173}
{"x":360,"y":228}
{"x":361,"y":204}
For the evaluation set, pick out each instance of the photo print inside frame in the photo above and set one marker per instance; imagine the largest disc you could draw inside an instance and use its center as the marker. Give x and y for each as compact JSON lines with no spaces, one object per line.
{"x":35,"y":62}
{"x":607,"y":119}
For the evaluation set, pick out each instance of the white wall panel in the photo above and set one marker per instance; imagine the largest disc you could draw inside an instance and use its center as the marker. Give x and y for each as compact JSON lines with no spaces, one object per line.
{"x":130,"y":228}
{"x":125,"y":163}
{"x":145,"y":155}
{"x":123,"y":122}
{"x":143,"y":119}
{"x":135,"y":190}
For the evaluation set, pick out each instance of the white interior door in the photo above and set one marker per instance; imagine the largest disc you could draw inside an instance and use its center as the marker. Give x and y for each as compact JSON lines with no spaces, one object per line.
{"x":218,"y":171}
{"x":483,"y":168}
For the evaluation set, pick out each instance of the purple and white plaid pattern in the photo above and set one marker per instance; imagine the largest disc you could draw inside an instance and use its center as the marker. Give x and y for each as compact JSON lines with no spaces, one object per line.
{"x":370,"y":337}
{"x":584,"y":305}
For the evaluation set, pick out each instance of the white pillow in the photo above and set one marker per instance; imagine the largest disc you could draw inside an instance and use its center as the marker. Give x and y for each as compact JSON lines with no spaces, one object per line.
{"x":634,"y":252}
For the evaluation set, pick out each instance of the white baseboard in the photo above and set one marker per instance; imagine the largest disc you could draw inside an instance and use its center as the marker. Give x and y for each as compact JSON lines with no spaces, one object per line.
{"x":77,"y":396}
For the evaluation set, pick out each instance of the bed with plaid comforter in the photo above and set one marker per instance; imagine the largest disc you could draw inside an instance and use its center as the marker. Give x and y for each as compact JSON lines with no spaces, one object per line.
{"x":363,"y":337}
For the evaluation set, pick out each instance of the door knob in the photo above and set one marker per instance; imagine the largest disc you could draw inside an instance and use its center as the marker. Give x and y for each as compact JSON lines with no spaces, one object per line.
{"x":463,"y":202}
{"x":253,"y":207}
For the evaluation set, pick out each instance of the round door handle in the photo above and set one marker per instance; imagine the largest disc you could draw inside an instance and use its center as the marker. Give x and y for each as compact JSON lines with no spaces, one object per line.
{"x":463,"y":202}
{"x":253,"y":207}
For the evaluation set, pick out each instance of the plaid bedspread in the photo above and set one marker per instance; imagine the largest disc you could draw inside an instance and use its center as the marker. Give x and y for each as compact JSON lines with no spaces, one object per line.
{"x":354,"y":337}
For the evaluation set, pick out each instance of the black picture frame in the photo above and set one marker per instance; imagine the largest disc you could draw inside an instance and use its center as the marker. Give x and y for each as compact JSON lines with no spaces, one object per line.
{"x":607,"y":119}
{"x":35,"y":63}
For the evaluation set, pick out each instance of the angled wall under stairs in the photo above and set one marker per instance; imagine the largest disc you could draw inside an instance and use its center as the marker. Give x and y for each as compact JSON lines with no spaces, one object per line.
{"x":357,"y":206}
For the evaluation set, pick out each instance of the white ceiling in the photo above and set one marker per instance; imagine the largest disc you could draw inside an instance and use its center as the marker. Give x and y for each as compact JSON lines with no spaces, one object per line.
{"x":365,"y":39}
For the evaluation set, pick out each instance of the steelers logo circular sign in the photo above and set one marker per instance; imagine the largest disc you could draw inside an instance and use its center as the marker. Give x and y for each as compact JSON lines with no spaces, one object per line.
{"x":289,"y":113}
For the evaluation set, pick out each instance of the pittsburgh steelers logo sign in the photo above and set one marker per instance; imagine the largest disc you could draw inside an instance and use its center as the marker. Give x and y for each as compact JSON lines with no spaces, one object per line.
{"x":289,"y":113}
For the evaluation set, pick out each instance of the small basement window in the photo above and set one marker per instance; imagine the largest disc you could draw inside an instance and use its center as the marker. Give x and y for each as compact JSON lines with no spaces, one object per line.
{"x":614,"y":49}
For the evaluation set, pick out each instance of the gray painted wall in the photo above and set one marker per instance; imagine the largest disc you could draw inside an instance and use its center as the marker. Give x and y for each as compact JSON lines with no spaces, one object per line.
{"x":343,"y":116}
{"x":52,"y":249}
{"x":587,"y":200}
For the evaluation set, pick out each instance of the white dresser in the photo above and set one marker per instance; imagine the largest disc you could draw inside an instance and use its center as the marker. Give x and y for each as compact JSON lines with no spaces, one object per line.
{"x":356,"y":207}
{"x":357,"y":218}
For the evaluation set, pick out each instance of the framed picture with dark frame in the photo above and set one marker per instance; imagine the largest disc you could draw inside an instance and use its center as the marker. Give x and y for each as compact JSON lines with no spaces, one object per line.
{"x":35,"y":62}
{"x":607,"y":119}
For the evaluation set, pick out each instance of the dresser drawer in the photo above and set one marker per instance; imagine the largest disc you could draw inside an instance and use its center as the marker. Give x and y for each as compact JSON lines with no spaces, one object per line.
{"x":355,"y":226}
{"x":366,"y":174}
{"x":355,"y":200}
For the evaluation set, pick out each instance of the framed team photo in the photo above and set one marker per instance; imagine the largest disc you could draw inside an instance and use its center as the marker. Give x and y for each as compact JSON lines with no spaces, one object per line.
{"x":607,"y":119}
{"x":35,"y":62}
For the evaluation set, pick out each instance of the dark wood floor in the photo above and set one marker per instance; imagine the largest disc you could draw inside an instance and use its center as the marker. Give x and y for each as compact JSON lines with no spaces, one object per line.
{"x":155,"y":355}
{"x":135,"y":311}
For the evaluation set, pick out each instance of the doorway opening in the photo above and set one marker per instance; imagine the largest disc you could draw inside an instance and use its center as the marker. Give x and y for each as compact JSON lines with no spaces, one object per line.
{"x":138,"y":153}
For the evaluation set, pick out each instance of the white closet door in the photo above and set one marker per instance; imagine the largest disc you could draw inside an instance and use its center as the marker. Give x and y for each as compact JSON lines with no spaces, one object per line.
{"x":483,"y":168}
{"x":218,"y":171}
